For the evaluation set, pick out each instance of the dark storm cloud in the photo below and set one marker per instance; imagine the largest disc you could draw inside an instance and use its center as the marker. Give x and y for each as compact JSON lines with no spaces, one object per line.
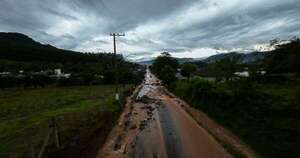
{"x":62,"y":15}
{"x":187,"y":28}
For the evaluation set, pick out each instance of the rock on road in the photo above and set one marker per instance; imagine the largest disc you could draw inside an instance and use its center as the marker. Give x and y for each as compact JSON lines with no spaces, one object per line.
{"x":154,"y":125}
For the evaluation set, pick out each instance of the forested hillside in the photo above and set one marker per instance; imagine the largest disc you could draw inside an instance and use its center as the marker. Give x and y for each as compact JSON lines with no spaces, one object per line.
{"x":20,"y":48}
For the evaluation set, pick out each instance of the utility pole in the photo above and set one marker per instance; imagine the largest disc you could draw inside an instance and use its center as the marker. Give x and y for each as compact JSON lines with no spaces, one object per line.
{"x":115,"y":64}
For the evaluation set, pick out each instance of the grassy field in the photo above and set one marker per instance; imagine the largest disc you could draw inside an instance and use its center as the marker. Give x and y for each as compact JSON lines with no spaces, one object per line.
{"x":79,"y":111}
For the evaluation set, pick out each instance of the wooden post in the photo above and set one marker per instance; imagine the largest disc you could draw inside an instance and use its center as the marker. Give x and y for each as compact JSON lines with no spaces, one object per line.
{"x":30,"y":145}
{"x":56,"y":135}
{"x":32,"y":151}
{"x":46,"y":141}
{"x":52,"y":127}
{"x":115,"y":64}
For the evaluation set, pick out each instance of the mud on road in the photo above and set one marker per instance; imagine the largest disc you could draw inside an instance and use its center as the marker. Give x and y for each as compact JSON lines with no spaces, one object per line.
{"x":155,"y":125}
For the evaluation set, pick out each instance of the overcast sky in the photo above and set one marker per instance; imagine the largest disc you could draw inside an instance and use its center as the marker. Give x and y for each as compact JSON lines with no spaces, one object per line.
{"x":186,"y":28}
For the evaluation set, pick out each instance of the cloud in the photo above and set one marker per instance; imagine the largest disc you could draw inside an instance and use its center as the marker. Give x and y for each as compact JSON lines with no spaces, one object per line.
{"x":186,"y":28}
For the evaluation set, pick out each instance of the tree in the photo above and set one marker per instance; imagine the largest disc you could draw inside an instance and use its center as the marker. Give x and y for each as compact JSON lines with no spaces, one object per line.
{"x":167,"y":74}
{"x":225,"y":68}
{"x":165,"y":66}
{"x":187,"y":69}
{"x":285,"y":59}
{"x":164,"y":59}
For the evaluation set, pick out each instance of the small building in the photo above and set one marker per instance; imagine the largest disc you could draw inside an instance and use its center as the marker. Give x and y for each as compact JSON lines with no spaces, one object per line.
{"x":57,"y":72}
{"x":179,"y":76}
{"x":5,"y":73}
{"x":261,"y":72}
{"x":242,"y":74}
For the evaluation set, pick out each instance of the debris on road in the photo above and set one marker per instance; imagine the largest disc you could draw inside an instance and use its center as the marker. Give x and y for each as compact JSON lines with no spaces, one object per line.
{"x":133,"y":127}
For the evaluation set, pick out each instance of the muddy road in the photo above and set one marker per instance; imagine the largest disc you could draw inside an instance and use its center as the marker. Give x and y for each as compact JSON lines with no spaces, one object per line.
{"x":154,"y":125}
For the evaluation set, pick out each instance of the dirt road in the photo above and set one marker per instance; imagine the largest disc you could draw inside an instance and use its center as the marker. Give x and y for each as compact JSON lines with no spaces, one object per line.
{"x":154,"y":125}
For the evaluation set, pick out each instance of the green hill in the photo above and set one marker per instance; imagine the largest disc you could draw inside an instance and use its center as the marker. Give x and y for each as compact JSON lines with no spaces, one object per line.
{"x":19,"y":47}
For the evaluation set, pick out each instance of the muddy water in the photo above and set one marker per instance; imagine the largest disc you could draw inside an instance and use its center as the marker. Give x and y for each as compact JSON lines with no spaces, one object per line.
{"x":153,"y":125}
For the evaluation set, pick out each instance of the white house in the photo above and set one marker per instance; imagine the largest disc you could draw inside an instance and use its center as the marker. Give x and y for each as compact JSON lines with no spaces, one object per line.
{"x":242,"y":74}
{"x":57,"y":72}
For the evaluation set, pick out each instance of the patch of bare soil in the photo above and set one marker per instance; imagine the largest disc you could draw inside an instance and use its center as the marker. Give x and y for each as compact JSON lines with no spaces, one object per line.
{"x":137,"y":132}
{"x":121,"y":136}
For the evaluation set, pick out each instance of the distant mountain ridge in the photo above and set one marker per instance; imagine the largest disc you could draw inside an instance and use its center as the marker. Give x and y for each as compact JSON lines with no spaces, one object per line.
{"x":146,"y":62}
{"x":180,"y":60}
{"x":245,"y":57}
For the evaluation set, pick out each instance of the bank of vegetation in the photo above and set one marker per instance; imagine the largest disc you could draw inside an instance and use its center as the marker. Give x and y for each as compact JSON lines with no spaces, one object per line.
{"x":262,"y":108}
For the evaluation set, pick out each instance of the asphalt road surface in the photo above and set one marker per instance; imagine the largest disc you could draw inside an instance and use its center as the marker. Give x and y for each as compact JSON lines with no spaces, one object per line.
{"x":154,"y":125}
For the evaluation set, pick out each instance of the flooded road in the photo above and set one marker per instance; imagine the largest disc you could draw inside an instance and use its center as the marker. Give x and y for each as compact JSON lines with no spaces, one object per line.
{"x":154,"y":125}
